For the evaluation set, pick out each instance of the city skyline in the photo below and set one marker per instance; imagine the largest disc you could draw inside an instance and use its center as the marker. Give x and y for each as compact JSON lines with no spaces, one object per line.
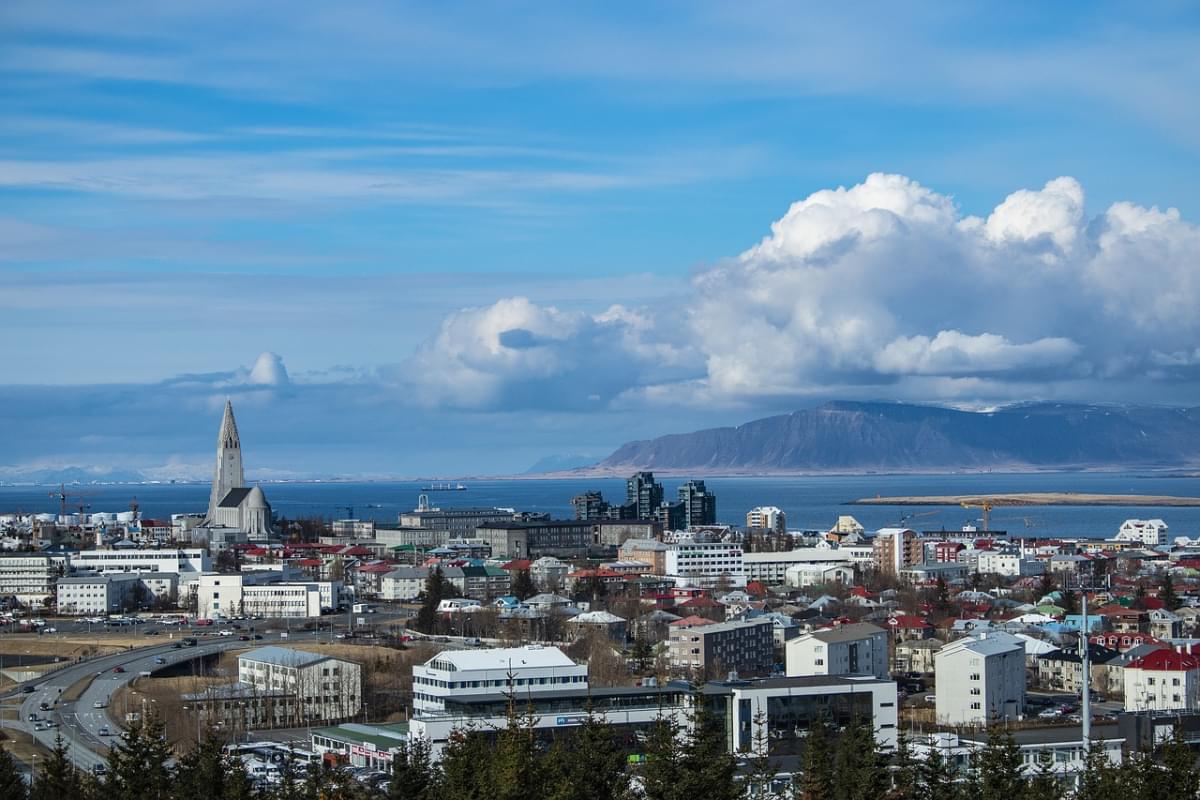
{"x":406,"y":241}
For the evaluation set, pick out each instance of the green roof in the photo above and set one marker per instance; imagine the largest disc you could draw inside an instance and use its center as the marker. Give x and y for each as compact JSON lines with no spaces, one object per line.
{"x":361,"y":734}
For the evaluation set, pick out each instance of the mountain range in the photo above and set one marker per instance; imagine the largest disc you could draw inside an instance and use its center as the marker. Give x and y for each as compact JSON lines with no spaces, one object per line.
{"x":864,"y":436}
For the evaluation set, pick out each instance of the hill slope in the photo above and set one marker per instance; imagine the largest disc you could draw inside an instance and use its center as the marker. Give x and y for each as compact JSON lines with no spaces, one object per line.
{"x":896,"y":436}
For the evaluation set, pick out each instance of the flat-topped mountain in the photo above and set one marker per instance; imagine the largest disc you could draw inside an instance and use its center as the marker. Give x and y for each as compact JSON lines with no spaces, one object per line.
{"x":856,"y":436}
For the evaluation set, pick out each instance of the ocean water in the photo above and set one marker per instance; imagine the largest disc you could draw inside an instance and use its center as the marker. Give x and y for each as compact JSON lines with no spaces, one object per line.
{"x":810,"y":502}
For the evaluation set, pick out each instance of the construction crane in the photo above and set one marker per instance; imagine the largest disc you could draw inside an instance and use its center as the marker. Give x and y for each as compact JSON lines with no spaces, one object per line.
{"x":349,"y":511}
{"x":63,"y":497}
{"x":906,"y":517}
{"x":987,"y":507}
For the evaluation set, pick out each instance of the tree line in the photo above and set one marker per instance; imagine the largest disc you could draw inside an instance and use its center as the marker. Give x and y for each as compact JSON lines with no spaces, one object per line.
{"x":673,"y":762}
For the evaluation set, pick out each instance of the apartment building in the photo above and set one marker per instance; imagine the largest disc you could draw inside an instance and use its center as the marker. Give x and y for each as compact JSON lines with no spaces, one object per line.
{"x":648,"y":551}
{"x":747,"y":647}
{"x":1149,"y":532}
{"x":98,"y":594}
{"x":256,"y":594}
{"x":1164,"y":680}
{"x":404,"y":584}
{"x":896,"y":548}
{"x":705,"y":565}
{"x":319,"y":687}
{"x":980,"y":679}
{"x":856,"y":649}
{"x":1009,"y":565}
{"x":769,"y":518}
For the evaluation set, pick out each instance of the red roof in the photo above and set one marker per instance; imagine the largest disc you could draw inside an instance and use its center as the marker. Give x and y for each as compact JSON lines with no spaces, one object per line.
{"x":908,"y":621}
{"x":517,"y":565}
{"x":378,"y":568}
{"x":309,"y":562}
{"x":1165,"y":660}
{"x":691,"y":622}
{"x":698,"y":602}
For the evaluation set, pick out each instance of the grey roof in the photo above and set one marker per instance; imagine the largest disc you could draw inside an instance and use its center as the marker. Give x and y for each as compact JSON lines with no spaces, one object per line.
{"x":283,"y":656}
{"x":408,"y":572}
{"x":847,"y":633}
{"x":235,"y":497}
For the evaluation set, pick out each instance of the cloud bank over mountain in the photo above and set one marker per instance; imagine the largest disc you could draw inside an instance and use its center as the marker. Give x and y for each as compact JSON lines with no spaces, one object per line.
{"x":882,"y":288}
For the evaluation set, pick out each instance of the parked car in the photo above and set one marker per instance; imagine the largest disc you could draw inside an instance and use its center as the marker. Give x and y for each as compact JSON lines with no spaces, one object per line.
{"x":104,"y":731}
{"x":99,"y":769}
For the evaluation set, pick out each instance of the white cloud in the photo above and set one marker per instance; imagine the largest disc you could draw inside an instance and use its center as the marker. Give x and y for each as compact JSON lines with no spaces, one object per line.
{"x":268,"y":370}
{"x":880,"y":289}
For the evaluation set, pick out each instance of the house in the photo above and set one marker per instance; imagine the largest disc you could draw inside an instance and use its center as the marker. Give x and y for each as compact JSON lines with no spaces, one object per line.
{"x":1165,"y":624}
{"x":1062,"y":669}
{"x":711,"y":648}
{"x":980,"y":680}
{"x":610,"y":625}
{"x":917,"y":655}
{"x":1163,"y":680}
{"x":856,"y":649}
{"x":910,"y":626}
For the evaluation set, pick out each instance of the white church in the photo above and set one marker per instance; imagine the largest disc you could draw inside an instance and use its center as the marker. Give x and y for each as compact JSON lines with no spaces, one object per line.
{"x":236,"y":512}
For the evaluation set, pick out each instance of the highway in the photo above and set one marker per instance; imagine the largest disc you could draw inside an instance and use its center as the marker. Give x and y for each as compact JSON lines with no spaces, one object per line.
{"x":81,"y":722}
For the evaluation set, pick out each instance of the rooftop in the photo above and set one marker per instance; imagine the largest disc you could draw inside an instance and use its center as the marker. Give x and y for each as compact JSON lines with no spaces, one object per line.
{"x":283,"y":656}
{"x":530,"y":656}
{"x":847,"y":633}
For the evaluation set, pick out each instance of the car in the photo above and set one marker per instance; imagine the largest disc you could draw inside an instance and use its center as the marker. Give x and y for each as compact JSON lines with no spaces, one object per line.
{"x":49,"y":630}
{"x":257,"y":636}
{"x":99,"y":769}
{"x":28,"y":690}
{"x":243,"y":638}
{"x":189,"y":642}
{"x":473,"y":641}
{"x":44,"y":706}
{"x":104,"y":731}
{"x":146,"y":673}
{"x":226,"y":632}
{"x":33,"y":717}
{"x":931,"y":698}
{"x":118,"y":669}
{"x":150,"y":632}
{"x":160,"y":660}
{"x":100,"y":704}
{"x":1049,"y":713}
{"x":446,"y":639}
{"x":176,"y":645}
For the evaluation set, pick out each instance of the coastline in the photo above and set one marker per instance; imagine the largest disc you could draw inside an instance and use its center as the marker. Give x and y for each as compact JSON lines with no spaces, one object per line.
{"x":1034,"y":499}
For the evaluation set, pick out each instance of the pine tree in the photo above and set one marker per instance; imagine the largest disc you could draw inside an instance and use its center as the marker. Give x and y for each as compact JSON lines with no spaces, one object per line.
{"x":1043,"y":784}
{"x":413,"y":775}
{"x":763,"y":768}
{"x":464,"y":768}
{"x":57,"y":779}
{"x":861,"y":772}
{"x":590,"y":766}
{"x":137,"y":766}
{"x":435,"y":589}
{"x":238,"y":785}
{"x":936,"y":777}
{"x":201,"y":772}
{"x":905,"y":775}
{"x":12,"y":783}
{"x":515,"y":767}
{"x":664,"y":762}
{"x":708,"y":768}
{"x":1000,"y":766}
{"x":1099,"y":779}
{"x":522,"y":584}
{"x":1167,"y":593}
{"x":816,"y":766}
{"x":1179,"y":777}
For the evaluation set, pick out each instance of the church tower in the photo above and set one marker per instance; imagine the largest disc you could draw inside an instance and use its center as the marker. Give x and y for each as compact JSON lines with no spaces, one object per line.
{"x":228,"y":472}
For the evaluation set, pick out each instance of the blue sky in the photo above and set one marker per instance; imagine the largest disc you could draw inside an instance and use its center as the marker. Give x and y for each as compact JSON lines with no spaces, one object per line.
{"x":472,"y":235}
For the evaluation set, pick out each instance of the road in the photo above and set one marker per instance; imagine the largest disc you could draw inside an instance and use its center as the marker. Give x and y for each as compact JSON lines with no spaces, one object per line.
{"x":80,"y":722}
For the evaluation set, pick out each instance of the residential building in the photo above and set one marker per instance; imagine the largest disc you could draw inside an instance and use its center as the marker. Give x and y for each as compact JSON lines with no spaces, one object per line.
{"x":853,"y":649}
{"x":353,"y":528}
{"x":1009,"y":565}
{"x":404,"y":584}
{"x":549,"y":573}
{"x":648,"y":551}
{"x":644,"y":494}
{"x":699,"y":504}
{"x":705,"y":565}
{"x":98,"y":594}
{"x":1149,"y":532}
{"x":917,"y":655}
{"x":610,"y":625}
{"x":590,"y":506}
{"x":896,"y":548}
{"x":980,"y":679}
{"x":28,"y":577}
{"x":318,"y":687}
{"x":1163,"y":680}
{"x":746,"y":647}
{"x":801,"y":576}
{"x":460,"y":522}
{"x":769,"y":518}
{"x":928,"y":574}
{"x":532,"y":540}
{"x":527,"y":671}
{"x":415,"y":536}
{"x":1165,"y":624}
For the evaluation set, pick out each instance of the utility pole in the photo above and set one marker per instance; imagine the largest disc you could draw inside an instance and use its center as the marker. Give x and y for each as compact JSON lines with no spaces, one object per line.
{"x":1085,"y":707}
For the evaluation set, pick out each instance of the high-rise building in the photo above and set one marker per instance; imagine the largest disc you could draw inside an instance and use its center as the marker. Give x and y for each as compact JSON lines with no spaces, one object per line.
{"x":699,"y":504}
{"x":645,"y":494}
{"x":767,"y":518}
{"x":590,"y":506}
{"x":227,"y":474}
{"x":896,"y":548}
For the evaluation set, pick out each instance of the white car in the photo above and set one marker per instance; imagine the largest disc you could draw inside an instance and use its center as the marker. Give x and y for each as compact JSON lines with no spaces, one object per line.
{"x":100,"y":704}
{"x":227,"y":632}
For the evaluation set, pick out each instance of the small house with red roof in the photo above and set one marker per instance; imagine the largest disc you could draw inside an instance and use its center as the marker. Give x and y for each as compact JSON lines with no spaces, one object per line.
{"x":910,"y":626}
{"x":1164,"y":680}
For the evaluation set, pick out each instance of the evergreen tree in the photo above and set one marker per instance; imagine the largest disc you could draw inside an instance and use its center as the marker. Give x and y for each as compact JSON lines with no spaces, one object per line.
{"x":237,"y":783}
{"x":664,"y":762}
{"x":1179,"y":777}
{"x":464,"y":768}
{"x":590,"y":766}
{"x":708,"y":768}
{"x":861,"y":772}
{"x":435,"y":591}
{"x":763,"y":768}
{"x":201,"y":772}
{"x":137,"y":766}
{"x":413,"y":775}
{"x":291,"y":782}
{"x":643,"y":652}
{"x":999,"y":767}
{"x":816,"y":765}
{"x":522,"y":585}
{"x":905,"y":774}
{"x":1070,"y":602}
{"x":936,"y":778}
{"x":1098,"y":780}
{"x":12,"y":783}
{"x":57,"y":778}
{"x":515,"y":767}
{"x":1167,"y":593}
{"x":1043,"y":784}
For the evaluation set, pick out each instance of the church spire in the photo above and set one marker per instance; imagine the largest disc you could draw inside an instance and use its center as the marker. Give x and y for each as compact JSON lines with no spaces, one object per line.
{"x":228,"y":437}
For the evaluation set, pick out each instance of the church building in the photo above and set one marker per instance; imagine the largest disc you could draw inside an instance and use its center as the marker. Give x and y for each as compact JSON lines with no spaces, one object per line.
{"x":236,"y":512}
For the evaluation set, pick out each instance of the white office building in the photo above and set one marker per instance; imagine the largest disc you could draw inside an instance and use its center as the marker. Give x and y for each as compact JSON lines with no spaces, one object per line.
{"x":256,"y":595}
{"x":980,"y":679}
{"x":319,"y":687}
{"x":151,"y":560}
{"x":527,"y":671}
{"x":98,"y":594}
{"x":771,"y":568}
{"x":1009,"y":565}
{"x":853,"y":650}
{"x":1149,"y":532}
{"x":28,"y":577}
{"x":768,"y":518}
{"x":705,"y":564}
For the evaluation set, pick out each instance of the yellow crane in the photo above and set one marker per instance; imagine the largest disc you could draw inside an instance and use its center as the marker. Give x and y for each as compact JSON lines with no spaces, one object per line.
{"x":986,"y":505}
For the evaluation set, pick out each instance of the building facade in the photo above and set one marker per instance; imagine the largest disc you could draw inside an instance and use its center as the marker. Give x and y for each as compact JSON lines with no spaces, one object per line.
{"x":28,"y":577}
{"x":532,"y":540}
{"x":980,"y":680}
{"x":854,"y":650}
{"x":704,"y":565}
{"x":768,"y":518}
{"x":527,"y":671}
{"x":746,"y":647}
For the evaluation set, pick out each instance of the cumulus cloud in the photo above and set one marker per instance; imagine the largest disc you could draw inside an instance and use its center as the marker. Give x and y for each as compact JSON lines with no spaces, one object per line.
{"x":268,"y":370}
{"x":879,"y":289}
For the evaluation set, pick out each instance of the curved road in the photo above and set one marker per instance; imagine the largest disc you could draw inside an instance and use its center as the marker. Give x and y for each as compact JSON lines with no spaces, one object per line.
{"x":79,"y":722}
